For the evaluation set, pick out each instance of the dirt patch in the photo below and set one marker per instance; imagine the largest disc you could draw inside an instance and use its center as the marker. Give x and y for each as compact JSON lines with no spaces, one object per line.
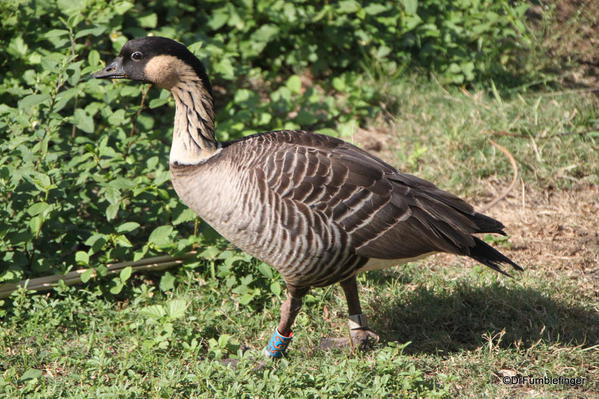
{"x":552,"y":230}
{"x":378,"y":142}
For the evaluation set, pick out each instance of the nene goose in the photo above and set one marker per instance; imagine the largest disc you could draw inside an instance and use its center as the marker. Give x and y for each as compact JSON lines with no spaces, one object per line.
{"x":317,"y":209}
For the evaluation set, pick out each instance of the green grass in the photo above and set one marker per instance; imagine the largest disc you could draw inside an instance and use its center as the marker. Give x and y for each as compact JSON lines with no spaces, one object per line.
{"x":450,"y":331}
{"x":460,"y":328}
{"x":444,"y":135}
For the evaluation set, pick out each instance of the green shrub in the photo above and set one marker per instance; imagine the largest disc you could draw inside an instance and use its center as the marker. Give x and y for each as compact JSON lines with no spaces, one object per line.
{"x":83,"y":173}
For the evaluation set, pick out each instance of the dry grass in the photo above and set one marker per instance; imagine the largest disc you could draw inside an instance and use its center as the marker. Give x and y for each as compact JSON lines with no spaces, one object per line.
{"x":555,"y":231}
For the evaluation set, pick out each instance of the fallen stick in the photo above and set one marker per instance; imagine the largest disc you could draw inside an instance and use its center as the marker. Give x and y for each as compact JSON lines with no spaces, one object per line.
{"x":48,"y":282}
{"x":512,"y":184}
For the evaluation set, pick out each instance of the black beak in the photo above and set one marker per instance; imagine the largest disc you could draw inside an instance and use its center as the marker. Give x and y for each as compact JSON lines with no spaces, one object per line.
{"x":113,"y":71}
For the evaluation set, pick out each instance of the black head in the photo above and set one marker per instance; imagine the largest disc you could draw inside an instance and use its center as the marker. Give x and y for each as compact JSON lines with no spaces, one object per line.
{"x":153,"y":59}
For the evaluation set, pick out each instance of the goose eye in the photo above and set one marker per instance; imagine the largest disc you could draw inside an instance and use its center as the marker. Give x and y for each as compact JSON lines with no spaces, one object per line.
{"x":136,"y":56}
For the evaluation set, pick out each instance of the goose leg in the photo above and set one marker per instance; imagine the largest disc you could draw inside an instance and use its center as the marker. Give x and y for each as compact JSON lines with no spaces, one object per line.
{"x":361,"y":335}
{"x":277,"y":345}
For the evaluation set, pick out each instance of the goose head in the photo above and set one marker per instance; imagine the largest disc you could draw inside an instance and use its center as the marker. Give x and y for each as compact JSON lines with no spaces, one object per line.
{"x":157,"y":60}
{"x":171,"y":66}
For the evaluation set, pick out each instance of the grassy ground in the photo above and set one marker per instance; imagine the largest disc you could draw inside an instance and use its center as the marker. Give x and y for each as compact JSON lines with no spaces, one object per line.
{"x":445,"y":136}
{"x":449,"y":328}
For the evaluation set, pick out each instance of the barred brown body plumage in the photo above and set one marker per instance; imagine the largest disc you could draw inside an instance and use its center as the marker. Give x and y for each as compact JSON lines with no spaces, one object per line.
{"x":316,"y":208}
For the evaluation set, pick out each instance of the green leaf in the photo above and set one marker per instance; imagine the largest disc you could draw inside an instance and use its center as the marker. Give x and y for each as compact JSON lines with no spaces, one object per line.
{"x":225,"y":68}
{"x":38,"y":207}
{"x":275,"y":288}
{"x":265,"y":270}
{"x":167,"y":282}
{"x":348,"y":6}
{"x":71,"y":8}
{"x":117,"y":288}
{"x":383,"y":51}
{"x":121,"y":183}
{"x":161,"y":235}
{"x":31,"y":374}
{"x":265,"y":33}
{"x":122,"y":241}
{"x":33,"y":100}
{"x":218,"y":20}
{"x":18,"y":47}
{"x":294,"y":83}
{"x":154,"y":311}
{"x":83,"y":121}
{"x":125,"y":273}
{"x":242,"y":95}
{"x":82,"y":258}
{"x":112,"y":192}
{"x":411,"y":6}
{"x":210,"y":253}
{"x":112,"y":210}
{"x":41,"y":181}
{"x":245,"y":299}
{"x":157,"y":102}
{"x":127,"y":227}
{"x":93,"y":59}
{"x":374,"y":9}
{"x":148,"y":21}
{"x":35,"y":224}
{"x":96,"y":241}
{"x":87,"y":275}
{"x":187,"y":215}
{"x":122,"y":7}
{"x":96,"y":31}
{"x":54,"y":33}
{"x":176,"y":308}
{"x":339,"y":84}
{"x":63,"y":98}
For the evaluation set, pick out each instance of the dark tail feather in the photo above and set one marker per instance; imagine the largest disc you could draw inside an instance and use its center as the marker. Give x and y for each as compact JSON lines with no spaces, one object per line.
{"x":487,"y":224}
{"x":489,"y":256}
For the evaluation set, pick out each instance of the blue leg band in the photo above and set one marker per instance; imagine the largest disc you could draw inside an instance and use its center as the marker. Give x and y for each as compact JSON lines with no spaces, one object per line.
{"x":277,"y":345}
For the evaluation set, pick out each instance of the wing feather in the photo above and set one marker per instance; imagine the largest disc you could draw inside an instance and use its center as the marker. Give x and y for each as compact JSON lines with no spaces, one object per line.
{"x":385,"y":213}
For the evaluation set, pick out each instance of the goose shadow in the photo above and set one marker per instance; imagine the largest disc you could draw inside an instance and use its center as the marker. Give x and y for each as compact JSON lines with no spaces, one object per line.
{"x":464,"y":317}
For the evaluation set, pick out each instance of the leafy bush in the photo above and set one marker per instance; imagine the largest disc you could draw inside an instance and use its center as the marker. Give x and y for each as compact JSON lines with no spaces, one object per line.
{"x":83,"y":172}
